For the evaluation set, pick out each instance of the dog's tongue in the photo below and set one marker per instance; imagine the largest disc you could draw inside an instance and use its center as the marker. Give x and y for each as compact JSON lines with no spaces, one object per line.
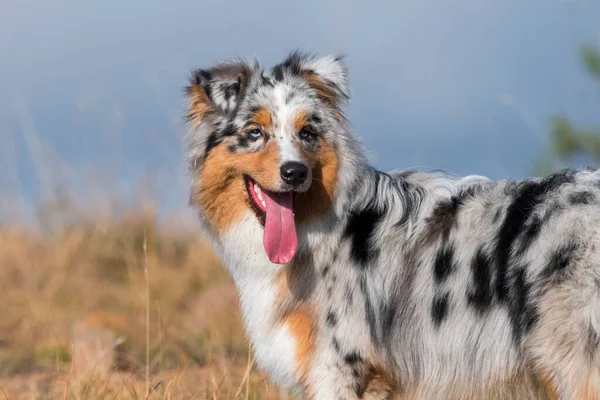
{"x":280,"y":238}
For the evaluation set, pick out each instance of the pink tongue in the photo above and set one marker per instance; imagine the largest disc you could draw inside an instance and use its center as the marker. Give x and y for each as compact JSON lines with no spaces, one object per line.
{"x":280,"y":238}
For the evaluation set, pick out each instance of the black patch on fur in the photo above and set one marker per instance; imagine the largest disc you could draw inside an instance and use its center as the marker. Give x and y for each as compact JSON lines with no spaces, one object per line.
{"x":560,"y":259}
{"x":439,"y":309}
{"x":278,"y":72}
{"x":532,"y":229}
{"x":292,"y":65}
{"x":528,"y":195}
{"x":388,"y":316}
{"x":521,"y":311}
{"x":314,"y":118}
{"x":202,"y":73}
{"x":482,"y":295}
{"x":352,"y":358}
{"x":266,"y":81}
{"x":581,"y":198}
{"x":530,"y":232}
{"x":331,"y":318}
{"x":243,"y":142}
{"x":444,"y":216}
{"x":359,"y":230}
{"x":444,"y":264}
{"x":216,"y":137}
{"x":293,"y":62}
{"x":325,"y":270}
{"x":208,"y":90}
{"x":369,"y":309}
{"x":233,"y":89}
{"x":229,"y":130}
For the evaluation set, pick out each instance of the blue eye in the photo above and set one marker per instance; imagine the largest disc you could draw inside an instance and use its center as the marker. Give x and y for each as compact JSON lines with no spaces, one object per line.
{"x":255,"y":134}
{"x":306,"y":134}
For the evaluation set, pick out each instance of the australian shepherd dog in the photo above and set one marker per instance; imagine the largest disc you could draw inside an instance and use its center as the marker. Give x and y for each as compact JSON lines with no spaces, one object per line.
{"x":361,"y":284}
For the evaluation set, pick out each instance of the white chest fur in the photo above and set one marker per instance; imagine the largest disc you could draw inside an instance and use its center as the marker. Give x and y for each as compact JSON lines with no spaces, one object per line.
{"x":256,"y":280}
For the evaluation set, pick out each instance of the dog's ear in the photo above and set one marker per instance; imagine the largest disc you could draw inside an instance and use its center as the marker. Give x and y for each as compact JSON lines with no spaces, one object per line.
{"x":217,"y":90}
{"x":328,"y":76}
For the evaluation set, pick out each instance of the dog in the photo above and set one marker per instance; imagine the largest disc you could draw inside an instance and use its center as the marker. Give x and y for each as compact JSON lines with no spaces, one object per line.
{"x":361,"y":284}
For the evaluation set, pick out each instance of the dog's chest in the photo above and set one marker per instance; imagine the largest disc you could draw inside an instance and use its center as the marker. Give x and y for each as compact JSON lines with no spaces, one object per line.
{"x":259,"y":286}
{"x":273,"y":344}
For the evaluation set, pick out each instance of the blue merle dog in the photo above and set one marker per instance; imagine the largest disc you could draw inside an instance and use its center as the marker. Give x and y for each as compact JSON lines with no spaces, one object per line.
{"x":360,"y":284}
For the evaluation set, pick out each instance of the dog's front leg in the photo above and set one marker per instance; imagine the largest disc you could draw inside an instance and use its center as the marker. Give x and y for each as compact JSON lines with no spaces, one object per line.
{"x":336,"y":375}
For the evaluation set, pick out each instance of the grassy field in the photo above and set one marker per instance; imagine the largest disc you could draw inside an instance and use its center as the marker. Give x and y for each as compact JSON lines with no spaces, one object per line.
{"x":119,"y":308}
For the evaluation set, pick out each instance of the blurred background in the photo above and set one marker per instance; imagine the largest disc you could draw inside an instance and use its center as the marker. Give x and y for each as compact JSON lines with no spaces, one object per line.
{"x":107,"y":288}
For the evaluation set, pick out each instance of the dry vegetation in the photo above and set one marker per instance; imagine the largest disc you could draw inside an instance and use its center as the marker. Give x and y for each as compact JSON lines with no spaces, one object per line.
{"x":89,"y":276}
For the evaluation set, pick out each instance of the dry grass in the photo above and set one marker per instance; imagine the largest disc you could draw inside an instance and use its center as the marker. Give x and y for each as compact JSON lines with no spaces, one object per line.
{"x":177,"y":328}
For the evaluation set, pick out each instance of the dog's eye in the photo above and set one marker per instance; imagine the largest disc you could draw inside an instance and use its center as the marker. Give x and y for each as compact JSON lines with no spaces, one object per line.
{"x":255,"y":134}
{"x":306,"y":134}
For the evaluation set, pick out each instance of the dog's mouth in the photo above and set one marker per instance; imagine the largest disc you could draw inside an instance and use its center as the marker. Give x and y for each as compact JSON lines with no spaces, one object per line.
{"x":275,"y":211}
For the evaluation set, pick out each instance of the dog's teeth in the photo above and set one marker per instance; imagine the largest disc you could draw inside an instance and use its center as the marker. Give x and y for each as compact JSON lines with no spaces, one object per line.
{"x":257,"y":189}
{"x":259,"y":194}
{"x":264,"y":203}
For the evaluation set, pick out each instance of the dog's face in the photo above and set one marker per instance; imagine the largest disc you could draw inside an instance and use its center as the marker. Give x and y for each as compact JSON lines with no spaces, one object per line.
{"x":265,"y":141}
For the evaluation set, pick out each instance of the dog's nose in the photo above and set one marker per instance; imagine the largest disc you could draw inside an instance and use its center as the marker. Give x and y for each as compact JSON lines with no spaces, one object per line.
{"x":294,"y":173}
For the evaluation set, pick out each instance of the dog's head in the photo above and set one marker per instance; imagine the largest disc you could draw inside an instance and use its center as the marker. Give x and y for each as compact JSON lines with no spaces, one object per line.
{"x":266,"y":141}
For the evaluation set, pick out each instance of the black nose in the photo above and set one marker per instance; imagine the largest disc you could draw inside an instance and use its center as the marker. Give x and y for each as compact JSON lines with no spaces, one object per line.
{"x":294,"y":173}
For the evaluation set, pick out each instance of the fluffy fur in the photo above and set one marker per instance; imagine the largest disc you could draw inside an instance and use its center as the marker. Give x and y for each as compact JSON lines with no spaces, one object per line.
{"x":408,"y":284}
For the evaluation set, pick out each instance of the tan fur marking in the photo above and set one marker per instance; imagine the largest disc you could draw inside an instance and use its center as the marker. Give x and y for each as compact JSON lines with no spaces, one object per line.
{"x":324,"y":92}
{"x":221,"y":193}
{"x":549,"y":386}
{"x":378,"y":386}
{"x":199,"y":105}
{"x":300,"y":121}
{"x":220,"y":187}
{"x":263,"y":118}
{"x":295,"y":283}
{"x":301,"y":328}
{"x":317,"y":201}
